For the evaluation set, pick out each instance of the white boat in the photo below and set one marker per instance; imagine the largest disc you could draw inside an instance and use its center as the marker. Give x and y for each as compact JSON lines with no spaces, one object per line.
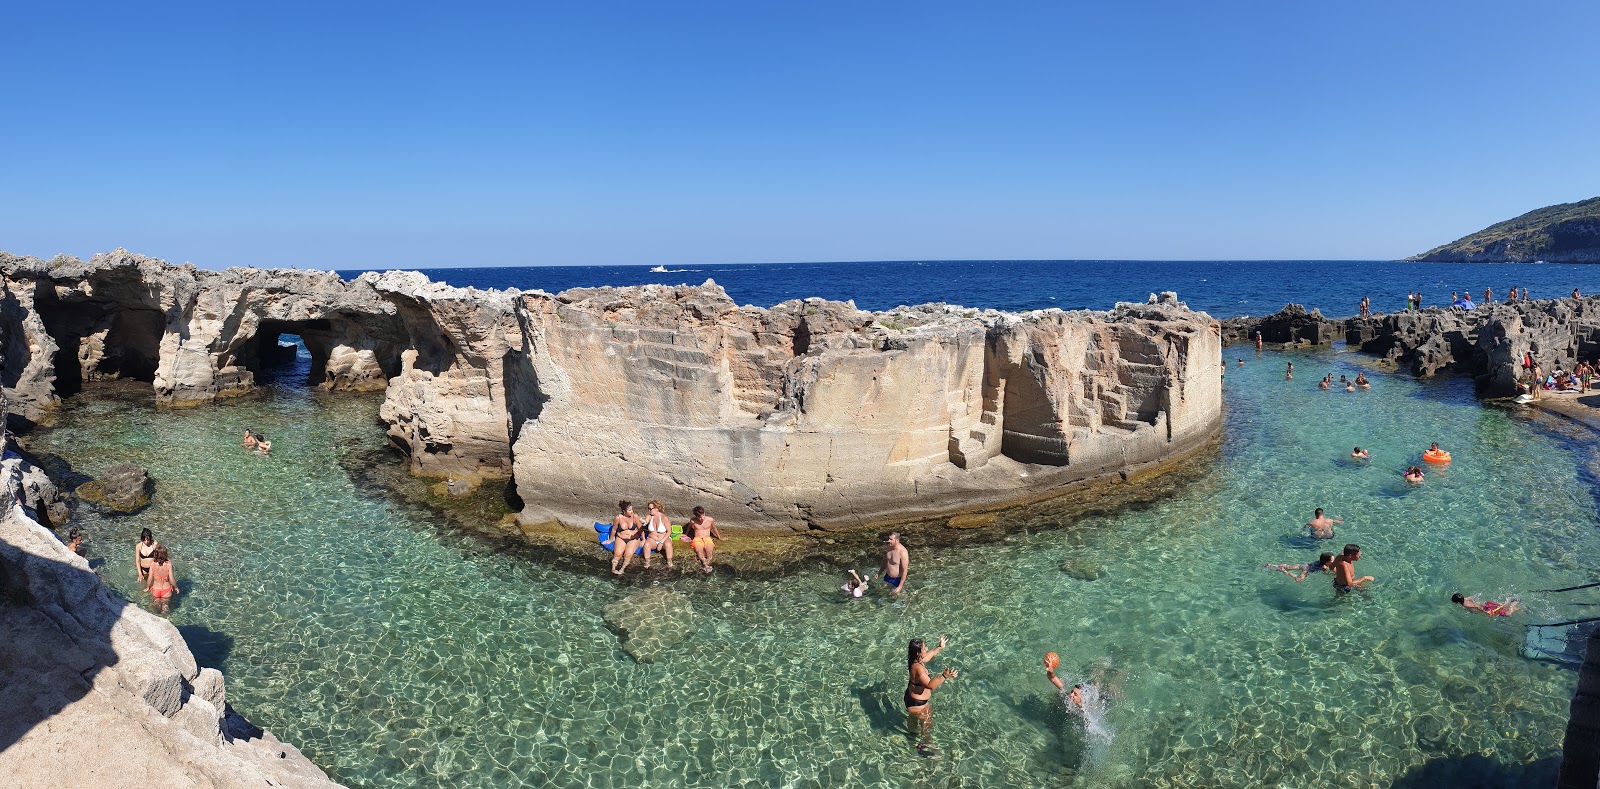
{"x":659,"y":270}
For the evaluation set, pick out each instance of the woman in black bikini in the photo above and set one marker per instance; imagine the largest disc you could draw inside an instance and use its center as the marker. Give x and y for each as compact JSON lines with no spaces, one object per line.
{"x":919,"y":690}
{"x":144,"y":554}
{"x":625,"y":530}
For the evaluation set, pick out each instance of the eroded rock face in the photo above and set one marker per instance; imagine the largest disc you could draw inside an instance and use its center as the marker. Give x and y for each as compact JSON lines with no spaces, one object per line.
{"x":651,"y":622}
{"x":1292,"y":325}
{"x":811,"y":414}
{"x":97,"y":692}
{"x":816,"y":415}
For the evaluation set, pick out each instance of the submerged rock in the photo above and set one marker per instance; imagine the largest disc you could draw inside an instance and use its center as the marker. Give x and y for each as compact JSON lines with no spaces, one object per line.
{"x":1082,"y":569}
{"x":651,"y":622}
{"x":123,"y":490}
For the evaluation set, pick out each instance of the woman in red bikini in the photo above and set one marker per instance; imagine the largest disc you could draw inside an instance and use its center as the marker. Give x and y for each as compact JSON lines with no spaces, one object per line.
{"x":162,"y":584}
{"x":1489,"y":607}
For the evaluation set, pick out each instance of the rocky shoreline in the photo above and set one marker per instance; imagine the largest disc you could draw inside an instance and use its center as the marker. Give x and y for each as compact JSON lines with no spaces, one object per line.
{"x":809,"y":416}
{"x":99,"y":692}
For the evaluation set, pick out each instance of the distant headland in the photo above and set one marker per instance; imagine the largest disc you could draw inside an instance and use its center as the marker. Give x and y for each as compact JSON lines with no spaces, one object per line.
{"x":1563,"y":233}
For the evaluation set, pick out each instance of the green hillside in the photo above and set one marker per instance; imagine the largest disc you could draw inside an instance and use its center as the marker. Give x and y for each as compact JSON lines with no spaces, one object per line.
{"x":1564,"y":233}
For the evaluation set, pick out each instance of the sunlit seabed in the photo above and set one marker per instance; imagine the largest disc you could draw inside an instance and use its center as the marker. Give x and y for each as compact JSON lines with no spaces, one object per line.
{"x":395,"y":651}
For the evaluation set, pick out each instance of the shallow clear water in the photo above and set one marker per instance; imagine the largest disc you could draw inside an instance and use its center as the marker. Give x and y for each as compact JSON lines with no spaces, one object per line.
{"x":397,"y":652}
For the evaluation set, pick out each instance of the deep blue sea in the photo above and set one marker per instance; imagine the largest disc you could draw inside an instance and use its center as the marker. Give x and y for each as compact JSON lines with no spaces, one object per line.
{"x":1224,"y":288}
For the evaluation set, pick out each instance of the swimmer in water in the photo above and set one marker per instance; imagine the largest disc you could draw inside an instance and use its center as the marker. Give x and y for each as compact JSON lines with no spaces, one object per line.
{"x":856,"y":586}
{"x":1359,"y":454}
{"x":1344,"y":570}
{"x":1241,"y":363}
{"x":920,"y":686}
{"x":1074,"y":696}
{"x":1349,"y":387}
{"x":1323,"y":564}
{"x":1326,"y":381}
{"x":1361,"y":381}
{"x":1414,"y":475}
{"x":1489,"y":607}
{"x":1288,"y":375}
{"x":1321,"y":526}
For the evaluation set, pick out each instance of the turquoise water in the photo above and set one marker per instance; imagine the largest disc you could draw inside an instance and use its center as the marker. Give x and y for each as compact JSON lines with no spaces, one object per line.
{"x":396,"y":651}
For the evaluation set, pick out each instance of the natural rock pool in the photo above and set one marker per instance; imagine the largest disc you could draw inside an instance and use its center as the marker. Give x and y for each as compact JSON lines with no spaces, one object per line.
{"x":397,"y":651}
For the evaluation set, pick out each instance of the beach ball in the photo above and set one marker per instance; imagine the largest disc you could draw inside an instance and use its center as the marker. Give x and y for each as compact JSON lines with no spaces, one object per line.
{"x":1051,"y":660}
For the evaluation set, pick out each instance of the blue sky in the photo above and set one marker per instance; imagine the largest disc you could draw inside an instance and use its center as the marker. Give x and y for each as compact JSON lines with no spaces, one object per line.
{"x":351,"y":135}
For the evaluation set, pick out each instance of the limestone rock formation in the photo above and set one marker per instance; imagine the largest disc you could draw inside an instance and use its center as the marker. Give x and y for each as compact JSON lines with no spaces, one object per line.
{"x":816,"y":415}
{"x":810,"y":414}
{"x":123,"y":490}
{"x":96,"y":692}
{"x":651,"y":622}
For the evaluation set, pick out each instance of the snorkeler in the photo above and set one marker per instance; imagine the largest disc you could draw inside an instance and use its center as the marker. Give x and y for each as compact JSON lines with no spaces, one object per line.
{"x":1321,"y":526}
{"x":1323,"y":564}
{"x":1489,"y":607}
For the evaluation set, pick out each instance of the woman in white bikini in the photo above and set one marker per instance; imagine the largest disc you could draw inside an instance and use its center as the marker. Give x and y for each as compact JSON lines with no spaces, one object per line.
{"x":657,"y":534}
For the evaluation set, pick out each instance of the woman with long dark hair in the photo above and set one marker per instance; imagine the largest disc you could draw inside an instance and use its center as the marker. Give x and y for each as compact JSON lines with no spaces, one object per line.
{"x":144,"y":554}
{"x":919,"y":690}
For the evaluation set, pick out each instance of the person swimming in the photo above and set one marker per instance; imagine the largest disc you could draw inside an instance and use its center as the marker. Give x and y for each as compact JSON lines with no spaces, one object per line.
{"x":1323,"y":564}
{"x":1359,"y":454}
{"x":1344,"y":570}
{"x":1413,"y":475}
{"x":856,"y":585}
{"x":1321,"y":526}
{"x":1488,"y":607}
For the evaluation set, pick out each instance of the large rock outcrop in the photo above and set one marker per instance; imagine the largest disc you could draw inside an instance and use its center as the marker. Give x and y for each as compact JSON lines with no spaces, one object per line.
{"x":809,"y":414}
{"x":1489,"y":343}
{"x":816,"y":415}
{"x":1561,"y":233}
{"x":96,"y":692}
{"x":1292,"y":325}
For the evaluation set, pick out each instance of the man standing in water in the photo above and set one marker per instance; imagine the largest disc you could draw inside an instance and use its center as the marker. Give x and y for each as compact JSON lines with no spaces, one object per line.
{"x":896,"y":564}
{"x":1321,"y":526}
{"x":1344,"y":570}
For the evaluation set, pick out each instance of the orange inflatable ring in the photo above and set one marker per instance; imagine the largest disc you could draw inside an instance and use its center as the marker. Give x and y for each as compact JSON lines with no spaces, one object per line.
{"x":1439,"y":456}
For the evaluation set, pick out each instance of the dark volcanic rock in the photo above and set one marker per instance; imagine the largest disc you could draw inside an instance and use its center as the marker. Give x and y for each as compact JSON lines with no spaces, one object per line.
{"x":1292,"y":325}
{"x":124,"y":490}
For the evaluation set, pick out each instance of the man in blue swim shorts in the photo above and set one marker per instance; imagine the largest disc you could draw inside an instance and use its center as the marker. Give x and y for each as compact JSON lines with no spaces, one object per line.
{"x":896,"y":564}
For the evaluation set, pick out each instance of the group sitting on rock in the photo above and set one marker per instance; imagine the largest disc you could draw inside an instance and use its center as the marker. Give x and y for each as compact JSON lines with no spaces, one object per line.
{"x":631,"y":534}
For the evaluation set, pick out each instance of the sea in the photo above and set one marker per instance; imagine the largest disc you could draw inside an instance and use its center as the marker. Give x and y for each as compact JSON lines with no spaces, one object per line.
{"x":397,"y":648}
{"x":1223,"y":288}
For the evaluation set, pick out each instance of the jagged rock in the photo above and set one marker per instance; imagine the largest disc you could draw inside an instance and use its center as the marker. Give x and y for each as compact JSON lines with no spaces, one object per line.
{"x":1289,"y":326}
{"x":650,"y":622}
{"x":124,"y":489}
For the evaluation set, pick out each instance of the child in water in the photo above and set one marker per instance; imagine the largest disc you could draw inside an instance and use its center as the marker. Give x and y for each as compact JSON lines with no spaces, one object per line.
{"x":856,"y":586}
{"x":1323,"y":564}
{"x":1488,"y":607}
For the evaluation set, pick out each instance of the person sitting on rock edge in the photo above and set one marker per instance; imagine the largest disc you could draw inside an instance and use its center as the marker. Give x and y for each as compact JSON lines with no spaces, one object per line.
{"x":625,"y":536}
{"x":705,"y":528}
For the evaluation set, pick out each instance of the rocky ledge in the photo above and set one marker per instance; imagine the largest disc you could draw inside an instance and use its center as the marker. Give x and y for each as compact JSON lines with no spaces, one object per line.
{"x":97,"y":692}
{"x":808,"y":415}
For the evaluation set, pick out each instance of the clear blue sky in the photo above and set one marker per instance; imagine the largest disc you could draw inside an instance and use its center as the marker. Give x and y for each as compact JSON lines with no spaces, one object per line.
{"x":351,"y":135}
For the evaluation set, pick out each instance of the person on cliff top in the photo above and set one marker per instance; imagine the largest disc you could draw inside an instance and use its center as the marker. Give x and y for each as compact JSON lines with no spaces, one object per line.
{"x":1575,"y":294}
{"x":144,"y":554}
{"x":657,"y":533}
{"x":704,"y":528}
{"x":1488,"y":296}
{"x":626,"y":528}
{"x":1299,"y":572}
{"x":1413,"y":475}
{"x":1344,"y":570}
{"x":1489,"y":607}
{"x":1321,"y":526}
{"x":896,"y":564}
{"x":249,"y":439}
{"x":1359,"y":454}
{"x":162,"y":583}
{"x":920,"y":686}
